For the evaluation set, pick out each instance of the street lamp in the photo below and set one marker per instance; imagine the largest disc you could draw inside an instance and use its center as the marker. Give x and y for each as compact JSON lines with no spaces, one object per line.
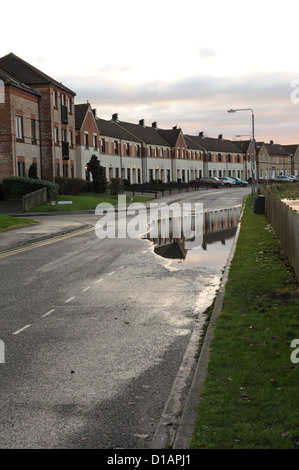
{"x":252,"y":147}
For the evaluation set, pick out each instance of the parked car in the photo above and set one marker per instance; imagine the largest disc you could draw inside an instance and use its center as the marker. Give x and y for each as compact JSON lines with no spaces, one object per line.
{"x":211,"y":180}
{"x":295,"y":179}
{"x":239,"y":182}
{"x":283,"y":178}
{"x":228,"y":182}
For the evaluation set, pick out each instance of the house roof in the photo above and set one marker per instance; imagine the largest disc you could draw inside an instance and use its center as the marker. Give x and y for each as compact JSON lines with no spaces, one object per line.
{"x":171,"y":135}
{"x":112,"y":129}
{"x":291,"y":148}
{"x":212,"y":144}
{"x":192,"y":144}
{"x":149,"y":135}
{"x":80,"y":113}
{"x":276,"y":149}
{"x":28,"y":74}
{"x":9,"y":80}
{"x":244,"y":145}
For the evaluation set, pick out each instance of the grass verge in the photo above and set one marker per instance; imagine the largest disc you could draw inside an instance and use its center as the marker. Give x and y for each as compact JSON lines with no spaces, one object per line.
{"x":7,"y":222}
{"x":85,"y":202}
{"x":250,"y":396}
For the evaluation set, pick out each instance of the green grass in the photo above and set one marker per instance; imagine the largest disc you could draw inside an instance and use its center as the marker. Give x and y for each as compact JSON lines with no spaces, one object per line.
{"x":250,"y":396}
{"x":85,"y":202}
{"x":7,"y":222}
{"x":285,"y":190}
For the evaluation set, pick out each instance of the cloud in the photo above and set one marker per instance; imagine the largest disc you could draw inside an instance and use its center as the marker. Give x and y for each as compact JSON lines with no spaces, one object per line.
{"x":198,"y":102}
{"x":206,"y":53}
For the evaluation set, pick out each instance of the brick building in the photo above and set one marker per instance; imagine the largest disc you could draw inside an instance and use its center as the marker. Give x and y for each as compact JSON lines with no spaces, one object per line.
{"x":41,"y":123}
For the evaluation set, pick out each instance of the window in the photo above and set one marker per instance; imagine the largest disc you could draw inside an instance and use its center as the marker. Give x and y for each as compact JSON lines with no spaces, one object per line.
{"x":71,"y":139}
{"x":65,"y":171}
{"x":228,"y":157}
{"x":70,"y":105}
{"x":55,"y":100}
{"x":86,"y":139}
{"x":19,"y":128}
{"x":56,"y":138}
{"x":219,"y":157}
{"x":33,"y":131}
{"x":115,"y":147}
{"x":57,"y":169}
{"x":64,"y":137}
{"x":95,"y":142}
{"x":21,"y":169}
{"x":138,"y":151}
{"x":128,"y":149}
{"x":103,"y":145}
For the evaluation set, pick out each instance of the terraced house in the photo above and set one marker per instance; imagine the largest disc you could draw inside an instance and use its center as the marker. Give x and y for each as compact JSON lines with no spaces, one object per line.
{"x":37,"y":122}
{"x":40,"y":124}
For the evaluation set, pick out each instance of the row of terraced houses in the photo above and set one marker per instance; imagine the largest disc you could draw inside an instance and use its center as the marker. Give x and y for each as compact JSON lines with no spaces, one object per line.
{"x":41,"y":124}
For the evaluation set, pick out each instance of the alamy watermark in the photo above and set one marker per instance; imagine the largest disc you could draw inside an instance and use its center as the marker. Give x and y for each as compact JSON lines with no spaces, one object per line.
{"x":158,"y":221}
{"x":295,"y":93}
{"x":295,"y":353}
{"x":2,"y":91}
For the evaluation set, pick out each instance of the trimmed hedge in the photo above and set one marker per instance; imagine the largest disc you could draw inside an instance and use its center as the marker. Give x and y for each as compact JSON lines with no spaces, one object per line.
{"x":16,"y":187}
{"x":116,"y":186}
{"x":72,"y":186}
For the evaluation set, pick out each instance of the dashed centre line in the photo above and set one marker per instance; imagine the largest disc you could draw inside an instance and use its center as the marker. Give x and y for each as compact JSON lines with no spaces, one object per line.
{"x":66,"y":301}
{"x":48,"y":313}
{"x":21,"y":329}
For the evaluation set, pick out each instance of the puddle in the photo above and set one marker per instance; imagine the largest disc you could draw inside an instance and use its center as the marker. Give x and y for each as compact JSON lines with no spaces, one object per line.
{"x":210,"y":249}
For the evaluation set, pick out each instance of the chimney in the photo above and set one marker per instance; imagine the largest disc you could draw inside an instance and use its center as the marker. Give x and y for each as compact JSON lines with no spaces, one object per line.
{"x":94,"y":112}
{"x":141,"y":123}
{"x":271,"y":142}
{"x":220,"y":137}
{"x":174,"y":128}
{"x":155,"y":125}
{"x":115,"y":117}
{"x":201,"y":134}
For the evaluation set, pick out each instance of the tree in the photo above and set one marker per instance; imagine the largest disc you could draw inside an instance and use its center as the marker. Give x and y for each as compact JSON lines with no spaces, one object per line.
{"x":32,"y":172}
{"x":98,"y":174}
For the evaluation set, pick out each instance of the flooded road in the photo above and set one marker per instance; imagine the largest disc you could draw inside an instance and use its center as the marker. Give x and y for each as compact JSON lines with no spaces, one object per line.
{"x":210,"y":250}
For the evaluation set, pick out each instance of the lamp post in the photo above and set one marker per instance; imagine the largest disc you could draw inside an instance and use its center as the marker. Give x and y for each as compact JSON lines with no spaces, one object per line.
{"x":252,"y":147}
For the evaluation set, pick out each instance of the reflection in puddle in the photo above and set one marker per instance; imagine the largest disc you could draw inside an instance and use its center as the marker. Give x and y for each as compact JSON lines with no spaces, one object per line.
{"x":211,"y":249}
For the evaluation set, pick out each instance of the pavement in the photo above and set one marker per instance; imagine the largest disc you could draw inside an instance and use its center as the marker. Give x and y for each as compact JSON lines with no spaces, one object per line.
{"x":55,"y":224}
{"x":51,"y":224}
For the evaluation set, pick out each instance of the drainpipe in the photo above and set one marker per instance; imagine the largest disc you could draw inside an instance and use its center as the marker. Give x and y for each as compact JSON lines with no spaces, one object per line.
{"x":40,"y":139}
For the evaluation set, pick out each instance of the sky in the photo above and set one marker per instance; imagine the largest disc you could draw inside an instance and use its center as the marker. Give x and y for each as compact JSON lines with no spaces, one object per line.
{"x":177,"y":63}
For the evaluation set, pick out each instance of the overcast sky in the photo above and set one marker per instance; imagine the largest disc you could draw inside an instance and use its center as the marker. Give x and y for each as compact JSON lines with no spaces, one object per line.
{"x":175,"y":62}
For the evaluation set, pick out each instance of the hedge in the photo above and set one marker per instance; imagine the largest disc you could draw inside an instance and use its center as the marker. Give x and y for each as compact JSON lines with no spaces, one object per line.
{"x":16,"y":187}
{"x":72,"y":186}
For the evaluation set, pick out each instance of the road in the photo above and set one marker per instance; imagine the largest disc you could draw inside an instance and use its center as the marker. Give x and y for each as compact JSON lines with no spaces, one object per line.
{"x":95,"y":332}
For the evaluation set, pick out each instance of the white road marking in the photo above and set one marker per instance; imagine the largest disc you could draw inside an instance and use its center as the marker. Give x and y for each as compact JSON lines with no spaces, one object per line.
{"x":21,"y":329}
{"x":100,"y":280}
{"x":68,"y":300}
{"x":48,"y":313}
{"x":111,"y":273}
{"x":84,"y":290}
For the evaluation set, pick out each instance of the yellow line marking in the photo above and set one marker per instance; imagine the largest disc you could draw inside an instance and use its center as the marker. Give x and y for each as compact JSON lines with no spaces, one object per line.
{"x":33,"y":245}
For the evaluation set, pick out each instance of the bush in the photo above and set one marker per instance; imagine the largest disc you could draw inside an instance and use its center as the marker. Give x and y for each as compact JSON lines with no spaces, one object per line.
{"x":16,"y":187}
{"x":117,"y":186}
{"x":32,"y":172}
{"x":72,"y":186}
{"x":88,"y":187}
